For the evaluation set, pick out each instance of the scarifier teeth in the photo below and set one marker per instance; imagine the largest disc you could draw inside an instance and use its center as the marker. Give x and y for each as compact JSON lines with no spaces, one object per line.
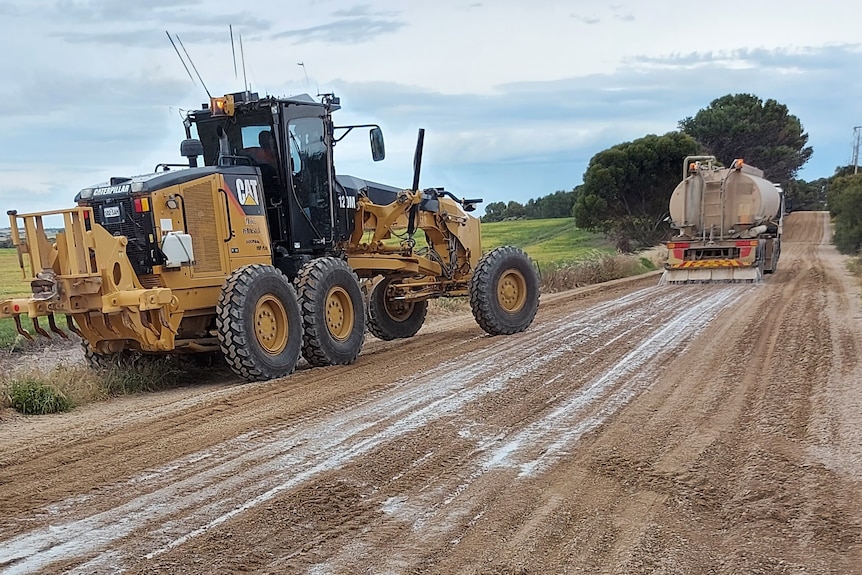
{"x":21,"y":329}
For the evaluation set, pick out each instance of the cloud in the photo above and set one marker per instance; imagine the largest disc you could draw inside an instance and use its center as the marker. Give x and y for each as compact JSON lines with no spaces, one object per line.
{"x":346,"y":31}
{"x":586,"y":19}
{"x":9,"y":10}
{"x":621,"y":13}
{"x":613,"y":11}
{"x":532,"y":138}
{"x":77,"y":111}
{"x":83,"y":130}
{"x":362,"y":10}
{"x":150,"y":38}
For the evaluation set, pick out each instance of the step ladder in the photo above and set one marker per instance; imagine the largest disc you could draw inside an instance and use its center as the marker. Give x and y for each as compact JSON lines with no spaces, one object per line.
{"x":712,"y":210}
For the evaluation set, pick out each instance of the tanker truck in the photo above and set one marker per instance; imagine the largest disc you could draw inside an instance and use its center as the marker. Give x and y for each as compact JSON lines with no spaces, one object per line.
{"x":728,"y":222}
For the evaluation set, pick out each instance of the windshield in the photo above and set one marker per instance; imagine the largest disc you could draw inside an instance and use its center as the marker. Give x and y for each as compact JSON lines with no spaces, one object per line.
{"x":249,"y":135}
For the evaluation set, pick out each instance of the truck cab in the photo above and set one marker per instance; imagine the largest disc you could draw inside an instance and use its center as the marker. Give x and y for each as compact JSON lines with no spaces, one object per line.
{"x":290,"y":141}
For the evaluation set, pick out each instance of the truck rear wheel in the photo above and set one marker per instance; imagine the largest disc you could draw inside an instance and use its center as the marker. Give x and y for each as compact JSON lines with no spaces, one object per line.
{"x":504,"y":291}
{"x":394,"y":319}
{"x":333,"y":317}
{"x":259,"y":324}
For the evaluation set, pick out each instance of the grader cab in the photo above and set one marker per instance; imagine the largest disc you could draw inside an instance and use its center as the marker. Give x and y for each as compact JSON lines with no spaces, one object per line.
{"x":255,"y":249}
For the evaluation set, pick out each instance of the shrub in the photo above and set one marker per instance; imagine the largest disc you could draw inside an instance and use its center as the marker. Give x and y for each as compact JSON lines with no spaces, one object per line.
{"x":449,"y":305}
{"x":149,"y":373}
{"x":595,"y":270}
{"x":647,"y":264}
{"x":34,"y":396}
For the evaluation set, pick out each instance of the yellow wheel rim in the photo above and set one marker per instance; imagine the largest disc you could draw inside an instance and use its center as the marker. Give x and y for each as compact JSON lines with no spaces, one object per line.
{"x":270,"y":324}
{"x":512,"y":291}
{"x":339,"y":313}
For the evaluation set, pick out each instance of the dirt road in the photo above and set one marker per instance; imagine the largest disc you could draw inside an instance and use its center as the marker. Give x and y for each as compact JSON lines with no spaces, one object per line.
{"x":635,"y":429}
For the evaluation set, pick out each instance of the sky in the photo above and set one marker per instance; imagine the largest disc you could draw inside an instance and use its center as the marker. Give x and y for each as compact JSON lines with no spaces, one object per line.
{"x":515,"y":96}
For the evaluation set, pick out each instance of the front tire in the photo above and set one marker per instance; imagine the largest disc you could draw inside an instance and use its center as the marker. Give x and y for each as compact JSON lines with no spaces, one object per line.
{"x":333,"y":315}
{"x":259,"y":324}
{"x":504,"y":291}
{"x":392,"y":319}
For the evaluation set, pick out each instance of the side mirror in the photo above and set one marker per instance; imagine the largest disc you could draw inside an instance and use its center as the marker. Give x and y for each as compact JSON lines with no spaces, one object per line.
{"x":191,"y":149}
{"x":378,"y":148}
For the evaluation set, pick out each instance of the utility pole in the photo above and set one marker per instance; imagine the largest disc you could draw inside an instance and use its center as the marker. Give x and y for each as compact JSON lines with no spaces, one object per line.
{"x":857,"y":136}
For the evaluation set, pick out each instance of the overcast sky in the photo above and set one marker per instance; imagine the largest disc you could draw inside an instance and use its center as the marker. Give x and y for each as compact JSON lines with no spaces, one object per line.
{"x":515,"y":96}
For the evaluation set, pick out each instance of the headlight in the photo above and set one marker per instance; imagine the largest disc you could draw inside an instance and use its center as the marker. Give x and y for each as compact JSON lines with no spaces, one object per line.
{"x":137,"y":187}
{"x":85,"y":194}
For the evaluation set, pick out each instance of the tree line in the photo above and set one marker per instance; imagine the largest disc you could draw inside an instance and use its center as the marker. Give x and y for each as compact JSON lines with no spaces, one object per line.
{"x":556,"y":205}
{"x":844,"y":197}
{"x":626,"y":188}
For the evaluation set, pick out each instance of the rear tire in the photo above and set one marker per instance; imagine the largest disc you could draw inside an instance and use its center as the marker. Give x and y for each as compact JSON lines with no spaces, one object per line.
{"x":776,"y":252}
{"x":259,"y":324}
{"x":504,"y":291}
{"x":333,"y":315}
{"x":390,"y":319}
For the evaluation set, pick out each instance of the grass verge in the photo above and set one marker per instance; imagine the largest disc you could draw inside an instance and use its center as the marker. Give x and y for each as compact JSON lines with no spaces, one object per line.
{"x":36,"y":392}
{"x":854,"y":266}
{"x":556,"y":277}
{"x":9,"y":337}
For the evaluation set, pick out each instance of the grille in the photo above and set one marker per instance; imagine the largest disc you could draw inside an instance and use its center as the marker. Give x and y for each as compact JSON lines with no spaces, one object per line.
{"x":126,"y":223}
{"x":201,"y":225}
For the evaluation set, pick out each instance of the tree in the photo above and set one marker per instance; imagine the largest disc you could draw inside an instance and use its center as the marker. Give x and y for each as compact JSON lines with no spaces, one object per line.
{"x":845,"y":203}
{"x":764,"y":134}
{"x":838,"y":186}
{"x":801,"y":195}
{"x":627,"y":188}
{"x":494,"y":212}
{"x":515,"y":210}
{"x":845,"y":171}
{"x":556,"y":205}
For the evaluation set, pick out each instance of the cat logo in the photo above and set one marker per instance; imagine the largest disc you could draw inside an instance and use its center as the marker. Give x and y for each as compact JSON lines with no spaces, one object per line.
{"x":246,"y":191}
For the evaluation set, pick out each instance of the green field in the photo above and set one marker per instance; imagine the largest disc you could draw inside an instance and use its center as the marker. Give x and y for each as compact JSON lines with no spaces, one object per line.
{"x":11,"y":281}
{"x":552,"y":241}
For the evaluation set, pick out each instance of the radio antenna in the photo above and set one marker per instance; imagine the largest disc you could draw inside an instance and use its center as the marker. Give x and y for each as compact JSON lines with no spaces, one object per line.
{"x":193,"y":65}
{"x":304,"y":72}
{"x":232,"y":50}
{"x":242,"y":56}
{"x":192,"y":78}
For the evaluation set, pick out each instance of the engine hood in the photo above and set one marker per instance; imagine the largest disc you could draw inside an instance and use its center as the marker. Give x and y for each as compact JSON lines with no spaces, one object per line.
{"x":143,"y":183}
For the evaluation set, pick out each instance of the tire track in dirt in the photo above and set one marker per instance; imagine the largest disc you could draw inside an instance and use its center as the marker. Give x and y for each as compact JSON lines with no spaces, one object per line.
{"x":284,"y":458}
{"x":36,"y":468}
{"x":665,"y":430}
{"x":525,"y":453}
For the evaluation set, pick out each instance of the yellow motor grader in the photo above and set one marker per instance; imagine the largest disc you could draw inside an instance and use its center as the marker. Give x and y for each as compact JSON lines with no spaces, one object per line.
{"x":255,"y":249}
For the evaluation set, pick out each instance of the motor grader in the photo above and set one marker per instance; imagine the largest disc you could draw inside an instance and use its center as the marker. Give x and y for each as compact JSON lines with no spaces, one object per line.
{"x":255,"y":249}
